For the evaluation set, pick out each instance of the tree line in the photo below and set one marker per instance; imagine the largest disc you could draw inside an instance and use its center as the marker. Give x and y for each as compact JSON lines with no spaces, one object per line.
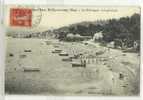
{"x":125,"y":29}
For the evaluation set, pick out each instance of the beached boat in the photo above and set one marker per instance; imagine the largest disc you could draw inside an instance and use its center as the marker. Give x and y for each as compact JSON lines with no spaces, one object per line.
{"x":31,"y":69}
{"x":57,"y":51}
{"x":66,"y":59}
{"x":63,"y":54}
{"x":78,"y":64}
{"x":27,"y":50}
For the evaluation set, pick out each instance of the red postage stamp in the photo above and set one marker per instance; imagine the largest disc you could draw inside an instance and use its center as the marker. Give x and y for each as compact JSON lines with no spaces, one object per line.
{"x":21,"y":17}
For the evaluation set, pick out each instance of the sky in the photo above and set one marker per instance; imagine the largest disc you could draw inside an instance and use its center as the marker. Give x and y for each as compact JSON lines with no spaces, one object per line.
{"x":55,"y":17}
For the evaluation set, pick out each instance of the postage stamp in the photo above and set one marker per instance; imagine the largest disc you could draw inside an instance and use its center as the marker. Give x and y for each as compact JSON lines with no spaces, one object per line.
{"x":21,"y":17}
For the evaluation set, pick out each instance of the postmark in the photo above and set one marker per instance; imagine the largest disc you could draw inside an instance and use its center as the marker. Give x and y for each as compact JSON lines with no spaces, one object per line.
{"x":36,"y":17}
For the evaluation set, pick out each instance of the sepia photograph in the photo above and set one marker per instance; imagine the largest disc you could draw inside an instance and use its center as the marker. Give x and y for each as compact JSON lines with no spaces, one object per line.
{"x":72,"y":51}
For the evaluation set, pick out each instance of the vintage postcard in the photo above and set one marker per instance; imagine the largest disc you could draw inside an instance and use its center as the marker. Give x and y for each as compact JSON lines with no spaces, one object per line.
{"x":72,"y":51}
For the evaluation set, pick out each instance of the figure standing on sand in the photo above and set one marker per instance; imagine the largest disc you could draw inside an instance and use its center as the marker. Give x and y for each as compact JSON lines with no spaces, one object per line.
{"x":83,"y":63}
